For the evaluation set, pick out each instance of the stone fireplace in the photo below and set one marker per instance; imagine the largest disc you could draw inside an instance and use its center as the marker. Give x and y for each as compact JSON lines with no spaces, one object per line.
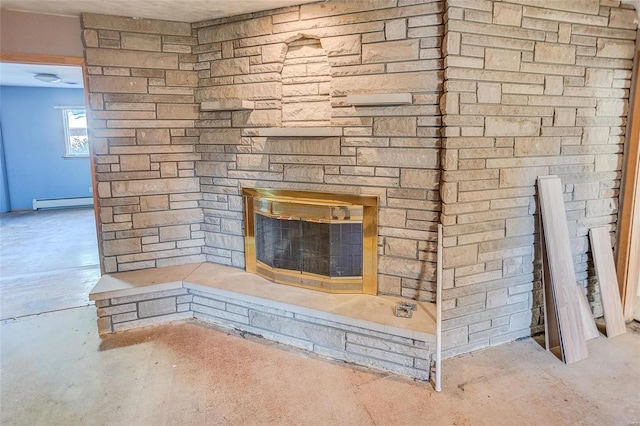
{"x":314,"y":240}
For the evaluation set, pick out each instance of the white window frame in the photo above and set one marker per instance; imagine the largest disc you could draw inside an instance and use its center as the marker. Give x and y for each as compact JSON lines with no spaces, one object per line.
{"x":68,"y":153}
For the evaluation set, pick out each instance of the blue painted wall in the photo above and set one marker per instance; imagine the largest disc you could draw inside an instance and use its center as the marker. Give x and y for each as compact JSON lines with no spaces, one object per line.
{"x":33,"y":139}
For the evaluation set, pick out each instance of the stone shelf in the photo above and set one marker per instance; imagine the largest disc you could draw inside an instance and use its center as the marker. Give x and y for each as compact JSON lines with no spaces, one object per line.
{"x":377,"y":99}
{"x":226,"y":105}
{"x":299,"y":131}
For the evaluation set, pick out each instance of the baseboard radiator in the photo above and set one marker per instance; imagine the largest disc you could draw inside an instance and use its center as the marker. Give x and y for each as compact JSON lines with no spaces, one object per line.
{"x":62,"y":202}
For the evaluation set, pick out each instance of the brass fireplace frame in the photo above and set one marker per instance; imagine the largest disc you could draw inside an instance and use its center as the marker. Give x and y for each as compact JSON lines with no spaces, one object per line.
{"x":320,"y":207}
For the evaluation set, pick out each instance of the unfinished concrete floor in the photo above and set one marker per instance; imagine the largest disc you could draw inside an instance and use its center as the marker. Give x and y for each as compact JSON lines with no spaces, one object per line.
{"x":56,"y":370}
{"x":48,"y":260}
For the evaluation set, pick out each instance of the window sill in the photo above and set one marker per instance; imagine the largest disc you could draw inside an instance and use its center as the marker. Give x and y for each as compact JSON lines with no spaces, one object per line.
{"x":74,"y":157}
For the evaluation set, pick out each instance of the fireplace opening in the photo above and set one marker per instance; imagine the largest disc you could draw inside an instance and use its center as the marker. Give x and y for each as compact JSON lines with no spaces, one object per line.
{"x":320,"y":241}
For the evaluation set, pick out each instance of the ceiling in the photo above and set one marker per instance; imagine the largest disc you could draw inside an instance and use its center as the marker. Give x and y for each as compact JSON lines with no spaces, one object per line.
{"x":170,"y":10}
{"x":22,"y":75}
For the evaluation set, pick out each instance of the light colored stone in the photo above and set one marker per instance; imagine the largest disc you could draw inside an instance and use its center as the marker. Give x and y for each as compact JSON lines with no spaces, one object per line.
{"x":167,"y":218}
{"x":617,"y":49}
{"x":623,"y":18}
{"x":248,"y":91}
{"x":232,"y":66}
{"x":134,"y":162}
{"x":502,"y":59}
{"x":396,"y":29}
{"x":524,"y":176}
{"x":555,"y":53}
{"x":153,"y":136}
{"x":175,"y":233}
{"x":597,"y":77}
{"x":177,"y":111}
{"x":132,"y":59}
{"x":120,"y":23}
{"x":507,"y":14}
{"x":157,"y":307}
{"x":404,"y":50}
{"x":235,"y":30}
{"x":135,"y":41}
{"x":398,"y":157}
{"x":111,"y":84}
{"x":394,"y":126}
{"x":121,"y":246}
{"x":303,"y":173}
{"x":512,"y":126}
{"x":154,"y":202}
{"x":181,"y":78}
{"x":273,"y":53}
{"x":489,"y":93}
{"x":564,"y":117}
{"x":154,"y":186}
{"x":410,"y":82}
{"x":419,"y":178}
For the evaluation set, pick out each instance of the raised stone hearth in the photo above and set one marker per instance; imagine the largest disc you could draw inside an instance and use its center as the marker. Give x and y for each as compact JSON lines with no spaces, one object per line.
{"x":355,"y":328}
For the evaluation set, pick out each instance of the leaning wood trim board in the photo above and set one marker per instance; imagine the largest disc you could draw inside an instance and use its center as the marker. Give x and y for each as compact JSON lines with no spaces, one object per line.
{"x":563,"y":277}
{"x":551,"y":327}
{"x":606,"y":272}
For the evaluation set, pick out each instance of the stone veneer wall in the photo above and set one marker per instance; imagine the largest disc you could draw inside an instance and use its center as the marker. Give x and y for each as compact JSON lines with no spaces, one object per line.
{"x":142,"y":114}
{"x":278,"y":59}
{"x":530,"y":87}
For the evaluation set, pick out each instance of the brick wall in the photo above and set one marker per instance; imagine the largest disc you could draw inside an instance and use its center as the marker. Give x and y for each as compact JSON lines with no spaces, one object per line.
{"x":526,"y":88}
{"x":142,"y":114}
{"x":298,"y":65}
{"x":531,"y":88}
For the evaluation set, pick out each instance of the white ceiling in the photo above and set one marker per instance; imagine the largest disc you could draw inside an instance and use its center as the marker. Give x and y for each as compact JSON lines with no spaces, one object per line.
{"x":170,"y":10}
{"x":22,"y":75}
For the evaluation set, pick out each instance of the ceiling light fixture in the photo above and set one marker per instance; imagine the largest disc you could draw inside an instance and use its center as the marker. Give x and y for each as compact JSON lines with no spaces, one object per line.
{"x":47,"y":78}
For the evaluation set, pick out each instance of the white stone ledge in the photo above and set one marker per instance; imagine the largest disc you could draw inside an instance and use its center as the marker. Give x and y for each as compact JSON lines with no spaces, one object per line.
{"x":290,"y":132}
{"x":358,"y":310}
{"x":377,"y":99}
{"x":226,"y":105}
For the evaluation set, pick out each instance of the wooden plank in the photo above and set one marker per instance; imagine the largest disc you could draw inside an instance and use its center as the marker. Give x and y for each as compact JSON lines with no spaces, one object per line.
{"x":628,"y":261}
{"x":551,"y":327}
{"x":588,"y":323}
{"x":562,"y":273}
{"x":606,"y":272}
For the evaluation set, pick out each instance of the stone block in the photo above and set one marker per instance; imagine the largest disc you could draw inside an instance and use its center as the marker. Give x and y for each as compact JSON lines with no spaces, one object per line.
{"x":512,"y":126}
{"x":395,"y":126}
{"x":419,"y":178}
{"x":460,"y":256}
{"x":221,"y":136}
{"x":131,"y":59}
{"x":365,"y":84}
{"x":153,"y":136}
{"x":235,"y":30}
{"x":110,"y":84}
{"x":555,"y":53}
{"x":623,"y":18}
{"x":118,"y":309}
{"x":611,"y":107}
{"x":617,"y":49}
{"x":129,"y":316}
{"x":398,"y":157}
{"x":525,"y":176}
{"x":400,"y":247}
{"x":489,"y":93}
{"x":248,"y":91}
{"x":121,"y":246}
{"x":232,"y":66}
{"x":395,"y":29}
{"x":303,"y":173}
{"x":404,"y":50}
{"x":507,"y":14}
{"x":137,"y":41}
{"x":252,"y":162}
{"x":564,"y":117}
{"x":154,"y":186}
{"x":154,"y":202}
{"x":225,"y":241}
{"x":307,"y":111}
{"x":537,"y":146}
{"x":502,"y":59}
{"x":181,"y":78}
{"x":597,"y":77}
{"x":306,"y":146}
{"x":167,"y":218}
{"x":324,"y":336}
{"x":134,"y":162}
{"x":175,"y":233}
{"x":211,"y":169}
{"x":595,"y":135}
{"x":104,"y":325}
{"x":586,"y":191}
{"x":608,"y":163}
{"x":553,"y":85}
{"x":273,"y":53}
{"x":120,"y":23}
{"x":177,"y":111}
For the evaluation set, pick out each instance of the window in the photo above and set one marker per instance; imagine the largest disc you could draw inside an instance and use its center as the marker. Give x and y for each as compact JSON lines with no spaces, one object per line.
{"x":76,"y":140}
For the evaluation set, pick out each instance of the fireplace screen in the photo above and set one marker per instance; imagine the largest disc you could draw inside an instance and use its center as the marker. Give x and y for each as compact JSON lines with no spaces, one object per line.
{"x":313,"y":240}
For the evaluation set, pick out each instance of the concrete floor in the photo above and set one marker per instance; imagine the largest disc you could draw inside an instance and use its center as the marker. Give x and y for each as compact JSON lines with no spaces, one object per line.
{"x":48,"y":260}
{"x":54,"y":369}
